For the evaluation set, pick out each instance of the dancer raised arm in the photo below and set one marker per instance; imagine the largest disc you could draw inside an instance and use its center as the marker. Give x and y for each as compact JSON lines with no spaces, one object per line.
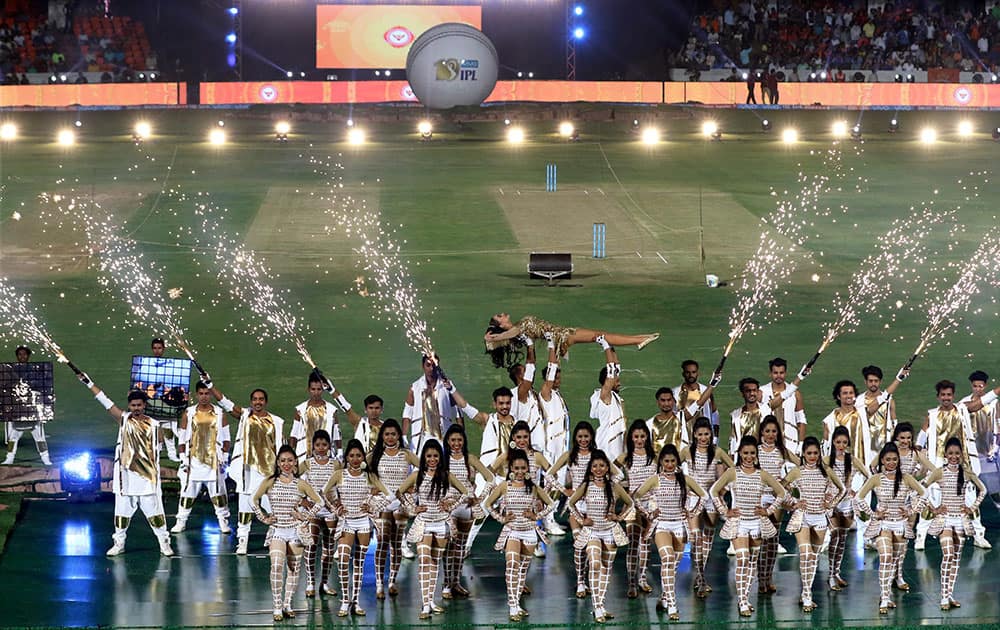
{"x":503,"y":347}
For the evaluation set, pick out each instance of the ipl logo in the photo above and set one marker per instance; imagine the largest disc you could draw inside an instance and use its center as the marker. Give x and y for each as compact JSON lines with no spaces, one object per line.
{"x":963,"y":95}
{"x":451,"y":69}
{"x":268,"y":93}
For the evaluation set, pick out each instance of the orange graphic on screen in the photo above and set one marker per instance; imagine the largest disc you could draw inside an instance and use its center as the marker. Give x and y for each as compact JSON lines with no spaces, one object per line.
{"x":379,"y":36}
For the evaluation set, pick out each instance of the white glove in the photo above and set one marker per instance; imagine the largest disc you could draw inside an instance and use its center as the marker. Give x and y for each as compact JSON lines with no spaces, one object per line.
{"x":85,"y":379}
{"x":525,"y":339}
{"x":716,"y":379}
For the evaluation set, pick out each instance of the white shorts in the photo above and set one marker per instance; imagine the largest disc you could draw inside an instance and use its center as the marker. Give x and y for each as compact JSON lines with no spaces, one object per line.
{"x":357,"y":525}
{"x":896,"y":527}
{"x":674,"y":527}
{"x":393,"y":507}
{"x":956,"y":523}
{"x":749,"y":528}
{"x":287,"y":534}
{"x":438,"y":528}
{"x":325,"y":515}
{"x":607,"y":537}
{"x":845,"y":507}
{"x":527,"y":536}
{"x":706,"y":503}
{"x":463,"y":513}
{"x":766,"y":500}
{"x":815,"y":521}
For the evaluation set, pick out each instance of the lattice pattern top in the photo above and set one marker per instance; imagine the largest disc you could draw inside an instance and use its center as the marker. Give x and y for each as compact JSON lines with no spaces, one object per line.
{"x":434,"y":513}
{"x":667,"y":495}
{"x":813,"y":488}
{"x":706,"y":475}
{"x":353,"y":492}
{"x":517,"y":501}
{"x":952,"y":500}
{"x":773,"y":463}
{"x":597,"y":508}
{"x":909,"y":463}
{"x":640,"y":472}
{"x":895,"y":507}
{"x":318,"y":475}
{"x":746,"y":491}
{"x":284,"y":498}
{"x":579,"y":469}
{"x":393,"y":470}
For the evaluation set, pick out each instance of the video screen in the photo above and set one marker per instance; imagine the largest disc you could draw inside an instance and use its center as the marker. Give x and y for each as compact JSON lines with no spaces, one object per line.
{"x":26,"y":395}
{"x":166,"y":382}
{"x":379,"y":36}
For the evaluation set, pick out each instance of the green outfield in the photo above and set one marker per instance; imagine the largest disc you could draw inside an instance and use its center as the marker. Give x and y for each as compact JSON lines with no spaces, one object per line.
{"x":470,"y":208}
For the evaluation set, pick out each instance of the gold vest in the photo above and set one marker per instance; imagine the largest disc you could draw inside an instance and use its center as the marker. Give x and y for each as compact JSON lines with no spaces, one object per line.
{"x":877,"y":421}
{"x":751,"y":422}
{"x":432,"y":414}
{"x":949,"y":425}
{"x":314,"y":420}
{"x":852,"y":420}
{"x":139,"y":447}
{"x":260,"y":445}
{"x":666,"y":432}
{"x":982,"y":424}
{"x":204,"y":434}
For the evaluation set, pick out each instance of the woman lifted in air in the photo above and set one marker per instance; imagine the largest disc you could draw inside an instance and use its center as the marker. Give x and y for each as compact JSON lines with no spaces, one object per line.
{"x":503,"y":337}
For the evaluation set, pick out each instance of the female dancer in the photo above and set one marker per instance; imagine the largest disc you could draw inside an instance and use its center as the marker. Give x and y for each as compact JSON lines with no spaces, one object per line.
{"x":705,"y":463}
{"x":914,"y":463}
{"x":317,"y":470}
{"x":502,"y":337}
{"x":391,"y":464}
{"x":668,"y":515}
{"x":818,"y":492}
{"x":889,"y":525}
{"x":846,"y":468}
{"x":639,"y":463}
{"x":356,"y":495}
{"x":601,"y":533}
{"x":464,"y":467}
{"x":578,"y":460}
{"x":518,"y":514}
{"x":773,"y":458}
{"x":285,"y":490}
{"x":951,"y":522}
{"x":747,"y":522}
{"x":432,"y":484}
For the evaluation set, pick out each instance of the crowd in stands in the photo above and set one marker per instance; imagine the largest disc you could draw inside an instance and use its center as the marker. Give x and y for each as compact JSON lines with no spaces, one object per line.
{"x":816,"y":35}
{"x":117,"y":47}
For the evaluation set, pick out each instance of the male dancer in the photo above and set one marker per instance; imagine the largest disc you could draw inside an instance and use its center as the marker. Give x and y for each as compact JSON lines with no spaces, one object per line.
{"x":255,"y":451}
{"x":136,"y":481}
{"x":525,"y":404}
{"x":429,"y":409}
{"x":607,"y":406}
{"x":315,"y":414}
{"x":881,"y":407}
{"x":746,"y":419}
{"x":785,"y":401}
{"x":555,"y":424}
{"x":986,"y":425}
{"x":691,"y":390}
{"x":203,"y":436}
{"x":16,"y":428}
{"x":366,"y":427}
{"x":667,"y":426}
{"x":943,"y":422}
{"x":168,"y":427}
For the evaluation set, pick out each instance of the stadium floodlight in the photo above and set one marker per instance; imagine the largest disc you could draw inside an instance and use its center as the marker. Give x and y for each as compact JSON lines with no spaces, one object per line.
{"x":965,"y":128}
{"x":350,"y":122}
{"x":152,"y":76}
{"x":928,"y":135}
{"x":898,"y":78}
{"x":856,"y":132}
{"x":765,"y":125}
{"x":378,"y":73}
{"x":63,"y":78}
{"x":66,"y":137}
{"x":578,"y":10}
{"x":790,"y":135}
{"x":289,"y":74}
{"x":531,"y":75}
{"x":579,"y":32}
{"x":142,"y":76}
{"x":233,"y":11}
{"x":142,"y":131}
{"x":356,"y":136}
{"x":302,"y":74}
{"x":78,"y":123}
{"x":839,"y":129}
{"x":217,"y":137}
{"x":745,"y":76}
{"x":710,"y":129}
{"x":231,"y":38}
{"x":8,"y":131}
{"x":221,"y":123}
{"x":515,"y":135}
{"x":994,"y":78}
{"x":426,"y":130}
{"x":650,"y":135}
{"x":812,"y":76}
{"x":519,"y":74}
{"x":893,"y":126}
{"x":910,"y":78}
{"x":53,"y":78}
{"x":80,"y":477}
{"x":388,"y":73}
{"x":822,"y":75}
{"x":566,"y":129}
{"x":281,"y":130}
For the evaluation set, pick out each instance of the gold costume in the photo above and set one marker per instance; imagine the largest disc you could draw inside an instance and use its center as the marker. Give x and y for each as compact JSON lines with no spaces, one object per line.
{"x":536,"y":328}
{"x":314,"y":421}
{"x":432,"y":414}
{"x":983,"y":424}
{"x":852,"y":420}
{"x":949,"y":425}
{"x":666,"y":432}
{"x":878,"y":422}
{"x":204,"y":434}
{"x":139,"y":447}
{"x":260,"y":448}
{"x":751,"y":422}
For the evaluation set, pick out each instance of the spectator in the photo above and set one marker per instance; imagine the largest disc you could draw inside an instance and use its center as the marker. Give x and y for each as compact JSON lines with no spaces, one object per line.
{"x":81,"y":78}
{"x":751,"y":80}
{"x":24,"y":79}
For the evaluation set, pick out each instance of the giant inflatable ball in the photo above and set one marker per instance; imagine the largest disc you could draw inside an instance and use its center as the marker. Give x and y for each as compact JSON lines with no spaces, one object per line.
{"x":452,"y":65}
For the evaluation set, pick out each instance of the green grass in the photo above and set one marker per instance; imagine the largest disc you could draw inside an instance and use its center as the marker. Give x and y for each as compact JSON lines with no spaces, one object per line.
{"x":11,"y":505}
{"x":470,"y":242}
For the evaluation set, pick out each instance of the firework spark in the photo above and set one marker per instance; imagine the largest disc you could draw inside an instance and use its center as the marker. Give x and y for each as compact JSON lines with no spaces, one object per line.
{"x":19,"y":321}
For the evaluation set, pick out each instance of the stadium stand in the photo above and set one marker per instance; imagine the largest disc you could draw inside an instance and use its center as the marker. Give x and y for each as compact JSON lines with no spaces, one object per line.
{"x":814,"y":36}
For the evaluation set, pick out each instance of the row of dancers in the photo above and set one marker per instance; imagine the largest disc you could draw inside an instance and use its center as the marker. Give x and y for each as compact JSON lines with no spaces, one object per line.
{"x":643,"y":496}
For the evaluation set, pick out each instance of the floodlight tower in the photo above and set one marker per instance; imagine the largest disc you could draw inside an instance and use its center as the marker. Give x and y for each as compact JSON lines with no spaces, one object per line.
{"x":236,"y":10}
{"x":574,"y":32}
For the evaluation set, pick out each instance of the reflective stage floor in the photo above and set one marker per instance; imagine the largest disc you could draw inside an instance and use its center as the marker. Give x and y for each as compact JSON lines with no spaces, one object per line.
{"x":55,"y":573}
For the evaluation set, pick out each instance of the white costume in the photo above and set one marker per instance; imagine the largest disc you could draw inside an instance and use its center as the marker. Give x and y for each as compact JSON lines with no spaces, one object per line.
{"x":706,"y":410}
{"x":136,"y":478}
{"x":431,"y":414}
{"x":203,"y":440}
{"x":746,"y":423}
{"x":786,"y":415}
{"x":857,"y":425}
{"x":255,"y":451}
{"x":308,"y":420}
{"x":611,"y":423}
{"x":556,"y":425}
{"x":529,"y":411}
